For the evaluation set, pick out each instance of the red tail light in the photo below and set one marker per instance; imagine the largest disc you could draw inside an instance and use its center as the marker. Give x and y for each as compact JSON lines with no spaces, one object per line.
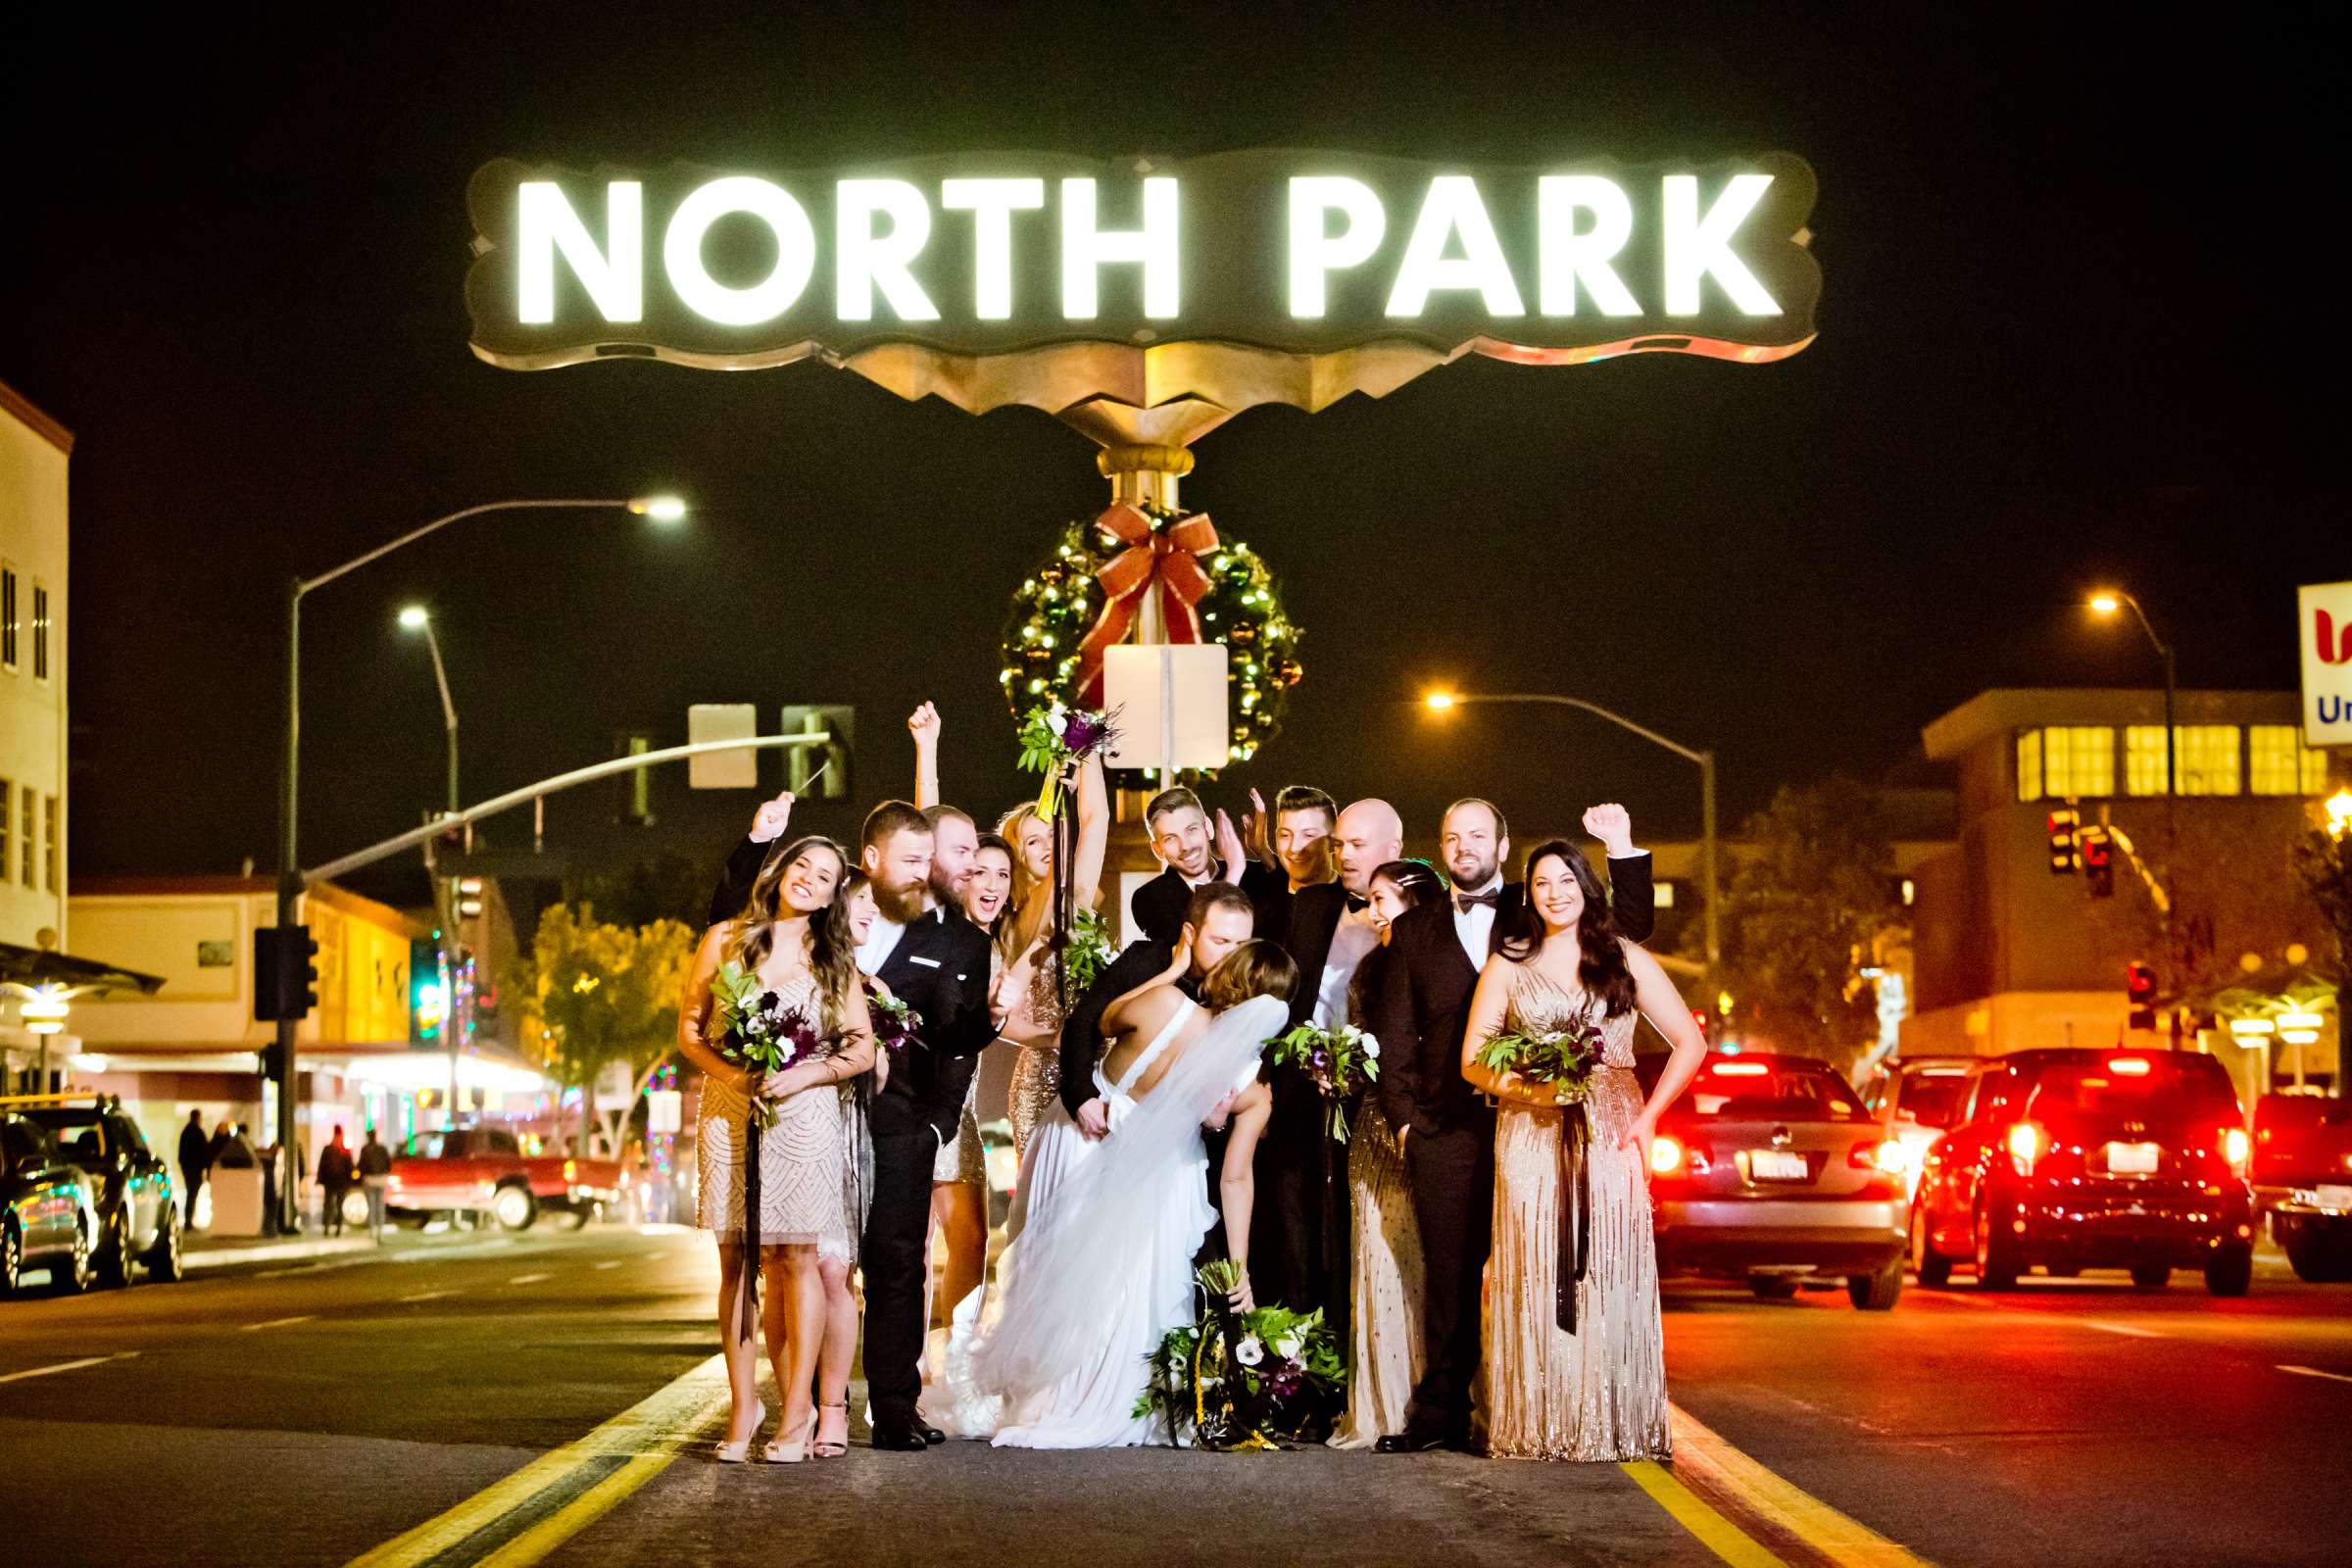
{"x":1890,"y":1156}
{"x":2027,"y":1143}
{"x":1666,"y":1156}
{"x":2234,"y":1146}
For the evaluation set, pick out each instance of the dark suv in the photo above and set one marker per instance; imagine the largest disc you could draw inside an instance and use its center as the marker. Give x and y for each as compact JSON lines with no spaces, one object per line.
{"x":2075,"y":1159}
{"x":138,"y":1211}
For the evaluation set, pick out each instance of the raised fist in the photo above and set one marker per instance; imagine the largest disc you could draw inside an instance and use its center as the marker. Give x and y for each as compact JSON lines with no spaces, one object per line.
{"x":924,"y":724}
{"x":1613,"y":826}
{"x":769,"y":821}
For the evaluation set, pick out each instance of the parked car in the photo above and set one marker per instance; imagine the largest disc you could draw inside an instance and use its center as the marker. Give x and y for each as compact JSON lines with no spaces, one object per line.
{"x":583,"y":1187}
{"x":2302,"y":1178}
{"x":48,"y":1215}
{"x":137,"y":1198}
{"x":464,"y":1171}
{"x":1917,"y":1099}
{"x":1769,"y":1169}
{"x":2073,"y":1158}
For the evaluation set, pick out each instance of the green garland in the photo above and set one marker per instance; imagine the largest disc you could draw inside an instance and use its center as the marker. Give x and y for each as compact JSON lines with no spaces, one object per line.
{"x":1058,"y":603}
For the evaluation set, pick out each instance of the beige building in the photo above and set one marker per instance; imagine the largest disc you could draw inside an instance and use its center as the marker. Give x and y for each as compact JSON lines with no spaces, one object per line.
{"x":2011,"y":954}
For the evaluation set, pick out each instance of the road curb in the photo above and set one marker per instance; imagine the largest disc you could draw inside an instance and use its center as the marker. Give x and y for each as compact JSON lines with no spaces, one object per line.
{"x":276,"y":1252}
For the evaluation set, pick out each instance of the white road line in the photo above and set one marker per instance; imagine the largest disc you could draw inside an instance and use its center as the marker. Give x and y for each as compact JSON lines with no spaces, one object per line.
{"x":530,"y":1279}
{"x":611,"y":1262}
{"x":2122,"y":1328}
{"x":281,"y":1322}
{"x":428,"y":1296}
{"x":2299,"y":1371}
{"x":65,"y":1366}
{"x":282,"y":1273}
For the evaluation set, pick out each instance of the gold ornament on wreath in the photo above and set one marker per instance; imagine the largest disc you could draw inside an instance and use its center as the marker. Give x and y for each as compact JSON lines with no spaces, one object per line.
{"x":1088,"y":592}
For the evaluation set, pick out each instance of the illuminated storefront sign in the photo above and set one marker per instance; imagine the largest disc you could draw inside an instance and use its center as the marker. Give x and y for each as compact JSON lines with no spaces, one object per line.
{"x":1295,"y":253}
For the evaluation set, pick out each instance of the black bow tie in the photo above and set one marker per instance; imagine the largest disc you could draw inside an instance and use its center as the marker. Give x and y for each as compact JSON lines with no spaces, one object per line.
{"x":1463,"y":903}
{"x":1357,"y":903}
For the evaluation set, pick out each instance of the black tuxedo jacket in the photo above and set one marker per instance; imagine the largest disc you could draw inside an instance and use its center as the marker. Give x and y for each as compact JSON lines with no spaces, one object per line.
{"x":941,"y":970}
{"x":1082,"y":1030}
{"x":1160,"y":902}
{"x":1302,"y":922}
{"x":1422,"y":1009}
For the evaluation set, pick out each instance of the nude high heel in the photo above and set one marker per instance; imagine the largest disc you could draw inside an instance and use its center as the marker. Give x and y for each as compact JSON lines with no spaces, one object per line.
{"x":828,"y":1448}
{"x":738,"y":1453}
{"x":780,"y":1451}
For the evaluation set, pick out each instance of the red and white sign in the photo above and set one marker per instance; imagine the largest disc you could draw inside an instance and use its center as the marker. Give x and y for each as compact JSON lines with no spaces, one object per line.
{"x":2323,"y":630}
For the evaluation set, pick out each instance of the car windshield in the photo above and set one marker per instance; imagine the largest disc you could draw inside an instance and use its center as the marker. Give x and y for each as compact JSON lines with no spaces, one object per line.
{"x":424,"y":1146}
{"x":1934,"y":1098}
{"x":81,"y":1135}
{"x":1800,"y":1090}
{"x":2137,"y":1086}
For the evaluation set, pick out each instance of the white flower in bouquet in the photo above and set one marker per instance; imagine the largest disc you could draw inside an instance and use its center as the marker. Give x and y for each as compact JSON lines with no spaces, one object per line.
{"x":1372,"y":1047}
{"x":1250,"y":1352}
{"x":1287,"y":1350}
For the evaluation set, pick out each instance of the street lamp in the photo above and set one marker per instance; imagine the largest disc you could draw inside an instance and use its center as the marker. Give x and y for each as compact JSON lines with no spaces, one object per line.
{"x":415,"y":618}
{"x":1440,"y":702}
{"x":662,"y":509}
{"x":2340,"y":814}
{"x":2108,"y":600}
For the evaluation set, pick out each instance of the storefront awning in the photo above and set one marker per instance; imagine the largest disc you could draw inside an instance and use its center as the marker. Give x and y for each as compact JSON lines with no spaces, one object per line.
{"x":33,"y":966}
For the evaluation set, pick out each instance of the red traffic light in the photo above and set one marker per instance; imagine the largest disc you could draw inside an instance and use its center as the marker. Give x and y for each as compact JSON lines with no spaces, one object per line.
{"x":2139,"y":984}
{"x":2065,"y":856}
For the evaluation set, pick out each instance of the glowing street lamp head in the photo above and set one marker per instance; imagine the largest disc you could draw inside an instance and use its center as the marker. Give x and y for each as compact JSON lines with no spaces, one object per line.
{"x":2339,"y":812}
{"x":413,"y":616}
{"x":1439,"y":702}
{"x":662,"y":509}
{"x":2106,"y":604}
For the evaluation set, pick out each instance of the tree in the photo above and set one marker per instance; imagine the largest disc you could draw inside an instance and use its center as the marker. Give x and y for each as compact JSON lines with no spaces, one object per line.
{"x":2324,"y":859}
{"x":2230,"y":875}
{"x":594,"y":993}
{"x":1812,"y":893}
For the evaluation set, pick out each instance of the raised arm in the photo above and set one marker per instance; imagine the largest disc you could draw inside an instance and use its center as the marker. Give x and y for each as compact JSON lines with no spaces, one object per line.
{"x":695,"y":1008}
{"x":923,"y":722}
{"x":1633,"y":895}
{"x":1662,"y":1004}
{"x":1236,"y":1181}
{"x":1094,"y":833}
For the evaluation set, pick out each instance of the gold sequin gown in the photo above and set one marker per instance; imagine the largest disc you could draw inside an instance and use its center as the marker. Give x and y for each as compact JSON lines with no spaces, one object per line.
{"x":1037,"y":1070}
{"x":1598,"y":1393}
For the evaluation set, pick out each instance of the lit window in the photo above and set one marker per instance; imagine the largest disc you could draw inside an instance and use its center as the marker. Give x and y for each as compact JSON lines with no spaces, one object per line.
{"x":2281,"y":764}
{"x":2143,"y":760}
{"x":49,"y":843}
{"x":1662,"y":894}
{"x":8,"y":616}
{"x":2208,"y":758}
{"x":8,"y":824}
{"x":29,"y":800}
{"x":40,"y":632}
{"x":2029,"y":764}
{"x":2077,"y":760}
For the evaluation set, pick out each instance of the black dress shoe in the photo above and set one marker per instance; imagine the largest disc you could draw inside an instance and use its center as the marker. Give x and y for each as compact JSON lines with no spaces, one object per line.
{"x":1411,"y":1442}
{"x":900,"y":1440}
{"x":930,"y":1433}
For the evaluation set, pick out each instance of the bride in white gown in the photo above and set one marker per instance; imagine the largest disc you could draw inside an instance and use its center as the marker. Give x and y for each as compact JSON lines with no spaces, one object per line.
{"x":1103,"y":1268}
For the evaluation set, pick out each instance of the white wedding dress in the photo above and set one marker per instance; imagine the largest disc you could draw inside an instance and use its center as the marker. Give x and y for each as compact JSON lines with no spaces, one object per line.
{"x":1103,"y":1267}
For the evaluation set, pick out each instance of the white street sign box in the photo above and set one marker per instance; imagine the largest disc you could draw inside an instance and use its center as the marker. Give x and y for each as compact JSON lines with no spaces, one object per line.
{"x":664,"y":1111}
{"x":1171,"y":702}
{"x":722,"y":770}
{"x":2323,"y":630}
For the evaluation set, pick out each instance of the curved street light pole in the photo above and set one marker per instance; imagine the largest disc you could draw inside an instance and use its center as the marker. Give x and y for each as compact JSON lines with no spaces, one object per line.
{"x":1708,"y":863}
{"x":289,"y":873}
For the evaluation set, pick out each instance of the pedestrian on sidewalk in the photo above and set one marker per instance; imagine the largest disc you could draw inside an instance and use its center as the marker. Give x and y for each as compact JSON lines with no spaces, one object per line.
{"x":195,"y":1160}
{"x":334,"y":1182}
{"x":376,"y":1174}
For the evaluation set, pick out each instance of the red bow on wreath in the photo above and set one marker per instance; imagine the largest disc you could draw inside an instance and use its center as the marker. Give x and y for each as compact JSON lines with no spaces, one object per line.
{"x":1168,"y":557}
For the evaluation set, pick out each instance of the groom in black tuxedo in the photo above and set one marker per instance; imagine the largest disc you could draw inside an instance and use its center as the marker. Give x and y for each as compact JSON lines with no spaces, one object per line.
{"x":1445,"y":1127}
{"x":936,"y":961}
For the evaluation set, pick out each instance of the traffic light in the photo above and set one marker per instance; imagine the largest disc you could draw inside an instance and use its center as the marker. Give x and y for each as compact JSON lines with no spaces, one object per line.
{"x":285,"y":977}
{"x":2140,"y":989}
{"x":2098,"y":861}
{"x":827,"y":765}
{"x":2066,"y":859}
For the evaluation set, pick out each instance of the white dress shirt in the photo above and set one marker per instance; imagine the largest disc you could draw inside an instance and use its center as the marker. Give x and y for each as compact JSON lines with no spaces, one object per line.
{"x":881,"y":941}
{"x":1354,"y":937}
{"x":1476,"y":929}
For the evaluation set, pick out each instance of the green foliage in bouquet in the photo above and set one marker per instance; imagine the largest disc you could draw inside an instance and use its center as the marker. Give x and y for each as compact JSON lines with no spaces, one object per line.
{"x":1564,"y":1058}
{"x":1241,"y":1380}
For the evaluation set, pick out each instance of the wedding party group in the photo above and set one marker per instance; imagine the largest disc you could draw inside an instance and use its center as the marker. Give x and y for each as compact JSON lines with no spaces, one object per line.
{"x":1377,"y":1119}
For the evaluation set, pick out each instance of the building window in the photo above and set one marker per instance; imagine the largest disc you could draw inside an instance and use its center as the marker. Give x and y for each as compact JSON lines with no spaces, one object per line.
{"x":28,"y":802}
{"x":2143,"y":760}
{"x":2077,"y":760}
{"x":8,"y":825}
{"x":8,"y":616}
{"x":2209,"y":759}
{"x":49,"y":842}
{"x":2029,"y":764}
{"x":40,"y":632}
{"x":2281,"y":764}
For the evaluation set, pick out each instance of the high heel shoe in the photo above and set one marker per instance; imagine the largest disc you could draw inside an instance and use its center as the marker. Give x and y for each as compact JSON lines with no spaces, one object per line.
{"x":780,"y":1451}
{"x":738,"y":1453}
{"x":828,"y":1448}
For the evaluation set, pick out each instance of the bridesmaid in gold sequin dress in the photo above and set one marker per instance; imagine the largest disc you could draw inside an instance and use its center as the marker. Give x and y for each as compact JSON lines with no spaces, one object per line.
{"x":1024,"y":940}
{"x":1575,"y":1368}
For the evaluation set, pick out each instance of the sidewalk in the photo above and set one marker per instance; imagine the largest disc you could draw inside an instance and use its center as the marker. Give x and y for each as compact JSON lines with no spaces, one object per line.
{"x":200,"y":1251}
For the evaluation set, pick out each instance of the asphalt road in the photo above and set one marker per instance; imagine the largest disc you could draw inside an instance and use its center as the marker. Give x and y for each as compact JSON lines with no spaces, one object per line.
{"x":544,"y":1399}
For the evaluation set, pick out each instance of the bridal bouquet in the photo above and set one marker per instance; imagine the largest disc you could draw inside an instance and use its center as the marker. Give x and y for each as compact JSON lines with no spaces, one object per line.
{"x":1055,"y":739}
{"x":1340,"y":1061}
{"x":1241,"y":1380}
{"x":895,"y":1021}
{"x":1561,"y":1057}
{"x":1084,"y":954}
{"x":762,"y":1034}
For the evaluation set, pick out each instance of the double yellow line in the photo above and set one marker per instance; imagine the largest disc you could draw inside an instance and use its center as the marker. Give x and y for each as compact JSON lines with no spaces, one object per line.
{"x":519,"y":1520}
{"x":1724,"y":1472}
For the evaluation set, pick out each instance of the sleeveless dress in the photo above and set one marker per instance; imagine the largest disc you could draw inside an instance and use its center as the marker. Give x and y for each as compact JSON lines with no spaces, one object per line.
{"x":807,"y":1173}
{"x":1092,"y":1404}
{"x":1598,"y":1393}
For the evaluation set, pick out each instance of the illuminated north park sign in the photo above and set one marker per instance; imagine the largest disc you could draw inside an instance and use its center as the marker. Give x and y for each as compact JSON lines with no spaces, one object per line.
{"x":1292,"y":253}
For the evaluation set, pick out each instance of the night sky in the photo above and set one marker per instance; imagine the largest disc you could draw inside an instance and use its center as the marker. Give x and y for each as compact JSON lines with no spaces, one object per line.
{"x":2077,"y":324}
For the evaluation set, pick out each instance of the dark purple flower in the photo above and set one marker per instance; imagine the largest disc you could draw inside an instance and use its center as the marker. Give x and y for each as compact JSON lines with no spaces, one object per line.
{"x":1081,"y":733}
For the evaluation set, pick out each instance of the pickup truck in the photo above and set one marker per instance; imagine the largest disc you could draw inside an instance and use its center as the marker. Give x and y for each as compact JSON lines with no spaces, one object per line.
{"x":2301,"y":1173}
{"x":483,"y":1170}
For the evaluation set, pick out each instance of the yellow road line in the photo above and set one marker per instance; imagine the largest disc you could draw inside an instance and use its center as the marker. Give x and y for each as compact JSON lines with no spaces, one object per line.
{"x":658,"y":1426}
{"x":1842,"y":1542}
{"x":1717,"y":1534}
{"x":587,"y":1509}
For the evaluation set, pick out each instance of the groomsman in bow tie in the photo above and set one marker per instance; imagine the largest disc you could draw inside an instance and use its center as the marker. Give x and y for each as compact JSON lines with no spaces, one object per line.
{"x":1445,"y":1127}
{"x":1182,"y":838}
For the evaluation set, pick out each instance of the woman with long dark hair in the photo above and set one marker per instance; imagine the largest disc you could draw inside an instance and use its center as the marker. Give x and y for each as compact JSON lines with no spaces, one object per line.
{"x":1385,"y":1262}
{"x":783,"y":1215}
{"x":1575,"y":1351}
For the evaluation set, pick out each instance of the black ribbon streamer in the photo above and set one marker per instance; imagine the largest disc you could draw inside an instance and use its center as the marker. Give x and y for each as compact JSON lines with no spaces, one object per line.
{"x":1576,"y":1214}
{"x":750,"y":1219}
